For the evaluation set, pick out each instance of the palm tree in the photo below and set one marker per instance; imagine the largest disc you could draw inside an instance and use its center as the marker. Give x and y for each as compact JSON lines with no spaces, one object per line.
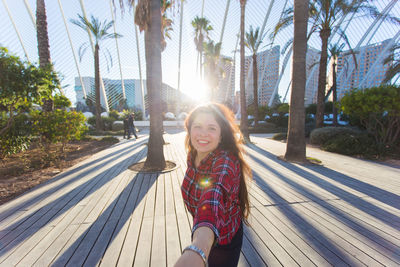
{"x":326,"y":15}
{"x":202,"y":29}
{"x":394,"y":60}
{"x":148,"y":18}
{"x":166,"y":23}
{"x":100,"y":34}
{"x":243,"y":109}
{"x":335,"y":51}
{"x":253,"y":42}
{"x":296,"y":144}
{"x":213,"y":69}
{"x":43,"y":45}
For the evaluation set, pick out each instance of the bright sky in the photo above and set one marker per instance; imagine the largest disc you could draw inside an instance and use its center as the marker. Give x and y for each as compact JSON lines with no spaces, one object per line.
{"x":62,"y":54}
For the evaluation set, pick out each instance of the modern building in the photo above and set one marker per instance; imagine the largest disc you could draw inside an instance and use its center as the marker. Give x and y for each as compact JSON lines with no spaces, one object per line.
{"x":113,"y":90}
{"x":268,"y":74}
{"x":353,"y":77}
{"x":133,"y":93}
{"x":312,"y":71}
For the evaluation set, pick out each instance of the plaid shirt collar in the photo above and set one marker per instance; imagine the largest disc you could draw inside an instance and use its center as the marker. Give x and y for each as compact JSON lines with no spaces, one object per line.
{"x":206,"y":162}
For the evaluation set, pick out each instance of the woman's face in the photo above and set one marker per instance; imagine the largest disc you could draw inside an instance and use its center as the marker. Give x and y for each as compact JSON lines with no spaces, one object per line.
{"x":205,"y":134}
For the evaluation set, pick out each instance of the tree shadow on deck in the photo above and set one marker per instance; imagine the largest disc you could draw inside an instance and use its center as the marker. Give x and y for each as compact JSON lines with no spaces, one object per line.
{"x":88,"y":167}
{"x":22,"y":229}
{"x":357,"y":202}
{"x":91,"y":245}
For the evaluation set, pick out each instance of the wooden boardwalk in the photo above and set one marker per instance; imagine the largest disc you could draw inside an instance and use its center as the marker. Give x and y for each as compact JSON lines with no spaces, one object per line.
{"x":345,"y":212}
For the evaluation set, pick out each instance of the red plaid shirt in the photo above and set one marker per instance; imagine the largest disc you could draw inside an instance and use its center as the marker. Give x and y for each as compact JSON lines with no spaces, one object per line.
{"x":211,"y":194}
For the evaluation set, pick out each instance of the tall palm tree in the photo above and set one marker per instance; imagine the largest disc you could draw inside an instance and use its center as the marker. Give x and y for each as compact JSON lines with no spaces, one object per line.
{"x":296,"y":144}
{"x":212,"y":65}
{"x":43,"y":45}
{"x":253,"y":42}
{"x":325,"y":15}
{"x":166,"y":23}
{"x":202,"y":29}
{"x":393,"y":59}
{"x":100,"y":32}
{"x":335,"y":51}
{"x":243,"y":109}
{"x":148,"y":18}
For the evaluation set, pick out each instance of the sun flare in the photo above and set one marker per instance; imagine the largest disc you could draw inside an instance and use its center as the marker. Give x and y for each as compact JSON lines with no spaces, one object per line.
{"x":196,"y":89}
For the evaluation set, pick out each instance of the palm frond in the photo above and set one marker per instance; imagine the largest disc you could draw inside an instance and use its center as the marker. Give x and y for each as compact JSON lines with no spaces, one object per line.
{"x":82,"y":49}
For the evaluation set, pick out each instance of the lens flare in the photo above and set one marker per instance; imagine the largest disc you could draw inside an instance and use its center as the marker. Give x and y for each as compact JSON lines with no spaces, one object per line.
{"x":205,"y":182}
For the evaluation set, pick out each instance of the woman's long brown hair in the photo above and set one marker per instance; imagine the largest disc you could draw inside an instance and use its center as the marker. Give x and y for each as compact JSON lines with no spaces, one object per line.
{"x":231,"y":140}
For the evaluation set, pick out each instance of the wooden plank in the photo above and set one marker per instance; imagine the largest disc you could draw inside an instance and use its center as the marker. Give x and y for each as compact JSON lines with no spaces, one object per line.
{"x":242,"y":261}
{"x":112,"y":253}
{"x":264,"y":224}
{"x":252,"y":256}
{"x":46,"y":241}
{"x":128,"y":251}
{"x":355,"y":236}
{"x":81,"y":253}
{"x":264,"y":213}
{"x":266,"y":242}
{"x":143,"y":252}
{"x":72,"y":241}
{"x":105,"y":237}
{"x":158,"y":249}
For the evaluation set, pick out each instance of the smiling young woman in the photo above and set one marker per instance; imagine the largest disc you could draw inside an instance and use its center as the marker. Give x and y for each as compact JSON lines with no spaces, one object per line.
{"x":214,"y":187}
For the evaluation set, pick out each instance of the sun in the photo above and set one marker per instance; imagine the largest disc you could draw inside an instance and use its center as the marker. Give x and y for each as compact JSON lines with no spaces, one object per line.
{"x":196,"y":89}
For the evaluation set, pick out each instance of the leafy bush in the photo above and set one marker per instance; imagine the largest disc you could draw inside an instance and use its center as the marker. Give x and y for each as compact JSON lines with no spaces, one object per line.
{"x":267,"y":128}
{"x":59,"y":126}
{"x":378,"y":110}
{"x":107,"y":123}
{"x":61,"y":102}
{"x":15,"y":138}
{"x":280,"y":136}
{"x":351,"y":144}
{"x":114,"y":114}
{"x":320,"y":136}
{"x":280,"y":121}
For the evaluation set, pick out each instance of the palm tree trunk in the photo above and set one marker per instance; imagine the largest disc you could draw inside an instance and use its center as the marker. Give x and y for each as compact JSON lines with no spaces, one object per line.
{"x":334,"y":95}
{"x":97,"y":86}
{"x":296,"y":144}
{"x":319,"y":118}
{"x":255,"y":89}
{"x":43,"y":45}
{"x":42,"y":34}
{"x":155,"y":153}
{"x":243,"y":110}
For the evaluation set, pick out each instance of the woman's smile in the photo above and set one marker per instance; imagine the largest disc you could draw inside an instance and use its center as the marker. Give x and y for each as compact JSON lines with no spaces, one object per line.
{"x":205,"y":134}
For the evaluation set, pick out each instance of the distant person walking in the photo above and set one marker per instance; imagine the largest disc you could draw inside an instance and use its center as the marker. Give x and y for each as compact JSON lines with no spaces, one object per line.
{"x":131,"y":126}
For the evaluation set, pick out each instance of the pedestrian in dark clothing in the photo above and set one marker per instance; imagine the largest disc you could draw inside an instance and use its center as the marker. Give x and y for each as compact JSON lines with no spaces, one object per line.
{"x":126,"y":128}
{"x":131,"y":125}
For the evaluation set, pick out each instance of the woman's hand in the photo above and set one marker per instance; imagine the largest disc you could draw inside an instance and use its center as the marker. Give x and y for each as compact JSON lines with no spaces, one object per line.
{"x":203,"y":238}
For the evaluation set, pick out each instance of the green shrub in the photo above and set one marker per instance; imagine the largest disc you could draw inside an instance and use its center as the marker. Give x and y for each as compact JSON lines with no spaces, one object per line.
{"x":378,"y":110}
{"x":59,"y":126}
{"x":267,"y":128}
{"x":280,"y":121}
{"x":107,"y":123}
{"x":280,"y":136}
{"x":114,"y":114}
{"x":16,"y":138}
{"x":321,"y":135}
{"x":92,"y":121}
{"x":351,"y":144}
